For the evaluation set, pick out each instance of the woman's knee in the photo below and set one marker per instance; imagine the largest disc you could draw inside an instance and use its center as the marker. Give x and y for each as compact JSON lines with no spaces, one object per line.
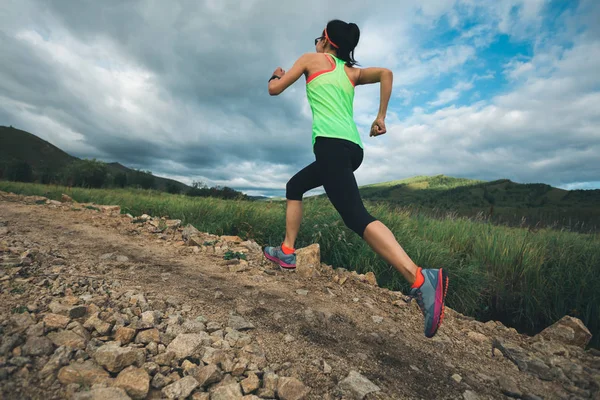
{"x":358,"y":221}
{"x":293,"y":191}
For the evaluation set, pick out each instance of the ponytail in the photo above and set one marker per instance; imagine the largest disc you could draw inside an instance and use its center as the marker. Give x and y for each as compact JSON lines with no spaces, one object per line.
{"x":346,"y":37}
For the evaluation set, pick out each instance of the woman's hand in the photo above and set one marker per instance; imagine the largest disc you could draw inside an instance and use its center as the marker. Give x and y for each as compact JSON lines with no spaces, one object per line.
{"x":378,"y":127}
{"x":279,"y":72}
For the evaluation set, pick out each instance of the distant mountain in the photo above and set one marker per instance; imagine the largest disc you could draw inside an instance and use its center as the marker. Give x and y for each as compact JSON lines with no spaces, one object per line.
{"x":18,"y":145}
{"x":448,"y":192}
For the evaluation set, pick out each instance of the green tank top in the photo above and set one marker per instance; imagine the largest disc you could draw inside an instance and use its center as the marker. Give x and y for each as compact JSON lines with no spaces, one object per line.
{"x":330,"y":94}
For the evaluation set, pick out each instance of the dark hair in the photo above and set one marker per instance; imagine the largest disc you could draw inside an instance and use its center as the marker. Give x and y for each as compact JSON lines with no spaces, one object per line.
{"x":345,"y":36}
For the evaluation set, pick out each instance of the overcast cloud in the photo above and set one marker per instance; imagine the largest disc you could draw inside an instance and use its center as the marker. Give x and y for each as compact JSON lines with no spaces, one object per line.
{"x":482,"y":89}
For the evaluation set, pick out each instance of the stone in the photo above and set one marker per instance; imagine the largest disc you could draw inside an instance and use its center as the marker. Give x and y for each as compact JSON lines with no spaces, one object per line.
{"x":94,"y":322}
{"x":38,"y":346}
{"x":470,"y":395}
{"x":213,"y":356}
{"x":190,"y":326}
{"x":180,"y":389}
{"x":186,"y":344}
{"x":159,"y":381}
{"x":36,"y":330}
{"x":251,"y":383}
{"x":124,"y":335}
{"x":77,"y":312}
{"x":207,"y":375}
{"x":457,"y":378}
{"x":227,"y":392}
{"x":477,"y":337}
{"x":568,"y":330}
{"x":148,"y":336}
{"x":291,"y":389}
{"x":357,"y":386}
{"x":61,"y":357}
{"x":377,"y":319}
{"x":233,"y":239}
{"x":115,"y":358}
{"x":22,"y":321}
{"x":56,"y":321}
{"x":135,"y":381}
{"x":370,"y":278}
{"x":66,"y":198}
{"x":239,"y":323}
{"x":189,"y":231}
{"x":308,"y":260}
{"x":112,"y":393}
{"x":165,"y":358}
{"x":69,"y":339}
{"x":509,"y":387}
{"x":86,"y":373}
{"x":302,"y":292}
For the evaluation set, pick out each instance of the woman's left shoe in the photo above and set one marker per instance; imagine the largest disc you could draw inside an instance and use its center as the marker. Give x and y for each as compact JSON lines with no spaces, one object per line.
{"x":285,"y":261}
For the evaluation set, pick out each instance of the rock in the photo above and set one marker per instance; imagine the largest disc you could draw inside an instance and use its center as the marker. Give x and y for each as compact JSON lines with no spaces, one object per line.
{"x":69,"y":339}
{"x":288,"y":338}
{"x":470,"y":395}
{"x":38,"y":346}
{"x":308,"y":260}
{"x":124,"y":335}
{"x":165,"y":358}
{"x":160,"y":381}
{"x":232,"y":239}
{"x":457,"y":378}
{"x":122,"y":259}
{"x":55,"y":321}
{"x":231,"y":391}
{"x":377,"y":319}
{"x":477,"y":337}
{"x":568,"y":330}
{"x":189,"y":231}
{"x":61,"y":357}
{"x":135,"y":381}
{"x":291,"y":389}
{"x":148,"y":336}
{"x":112,"y":393}
{"x":302,"y":292}
{"x":251,"y":383}
{"x":22,"y":321}
{"x":36,"y":330}
{"x":201,"y":396}
{"x":180,"y":389}
{"x":190,"y":326}
{"x":78,"y":312}
{"x":94,"y":322}
{"x":509,"y":387}
{"x":239,"y":323}
{"x":86,"y":373}
{"x":66,"y":199}
{"x":357,"y":386}
{"x":207,"y":375}
{"x":115,"y":358}
{"x":370,"y":278}
{"x":186,"y":344}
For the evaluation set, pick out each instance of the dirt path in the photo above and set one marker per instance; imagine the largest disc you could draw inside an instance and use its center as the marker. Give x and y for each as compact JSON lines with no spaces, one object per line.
{"x":332,"y":322}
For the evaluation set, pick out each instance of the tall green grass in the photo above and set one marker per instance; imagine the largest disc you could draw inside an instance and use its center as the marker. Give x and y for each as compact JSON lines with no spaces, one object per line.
{"x":525,"y":278}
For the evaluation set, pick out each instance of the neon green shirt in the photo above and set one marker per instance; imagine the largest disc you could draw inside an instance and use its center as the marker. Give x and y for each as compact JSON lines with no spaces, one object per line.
{"x":330,"y":94}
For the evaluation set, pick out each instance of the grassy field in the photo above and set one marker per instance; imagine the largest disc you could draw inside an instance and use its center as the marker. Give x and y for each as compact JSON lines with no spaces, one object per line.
{"x":525,"y":278}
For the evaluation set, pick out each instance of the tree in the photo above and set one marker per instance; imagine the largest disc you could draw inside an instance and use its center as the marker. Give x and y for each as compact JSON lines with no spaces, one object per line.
{"x":19,"y":171}
{"x":120,"y":179}
{"x":86,"y":173}
{"x":173,"y":188}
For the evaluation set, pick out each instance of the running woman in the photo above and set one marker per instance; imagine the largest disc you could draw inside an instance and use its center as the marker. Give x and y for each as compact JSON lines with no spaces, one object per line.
{"x":331,"y":76}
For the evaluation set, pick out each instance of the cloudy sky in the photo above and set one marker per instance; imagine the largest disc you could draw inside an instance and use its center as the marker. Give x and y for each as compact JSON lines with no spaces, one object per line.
{"x":482,"y":89}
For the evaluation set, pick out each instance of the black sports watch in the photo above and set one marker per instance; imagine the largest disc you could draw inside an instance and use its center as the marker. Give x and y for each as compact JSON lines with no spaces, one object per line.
{"x":274,"y":77}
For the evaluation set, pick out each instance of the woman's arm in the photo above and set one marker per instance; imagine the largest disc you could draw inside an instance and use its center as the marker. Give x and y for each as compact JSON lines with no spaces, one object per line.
{"x":374,"y":75}
{"x":276,"y":86}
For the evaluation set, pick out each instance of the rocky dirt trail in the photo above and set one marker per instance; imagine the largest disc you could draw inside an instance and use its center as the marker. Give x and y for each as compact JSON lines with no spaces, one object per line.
{"x":99,"y":305}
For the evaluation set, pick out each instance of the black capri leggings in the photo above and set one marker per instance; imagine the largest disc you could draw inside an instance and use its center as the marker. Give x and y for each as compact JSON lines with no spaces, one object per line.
{"x":336,"y":161}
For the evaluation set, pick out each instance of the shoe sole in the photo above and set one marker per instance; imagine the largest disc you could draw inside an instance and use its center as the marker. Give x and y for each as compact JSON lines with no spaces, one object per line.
{"x":440,"y":300}
{"x":284,"y":266}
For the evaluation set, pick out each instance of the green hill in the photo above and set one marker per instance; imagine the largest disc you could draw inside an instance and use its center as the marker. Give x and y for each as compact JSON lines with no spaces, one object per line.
{"x":501,"y":201}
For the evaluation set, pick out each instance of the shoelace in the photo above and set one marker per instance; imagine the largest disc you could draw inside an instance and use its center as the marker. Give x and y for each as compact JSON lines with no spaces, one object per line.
{"x":419,"y":297}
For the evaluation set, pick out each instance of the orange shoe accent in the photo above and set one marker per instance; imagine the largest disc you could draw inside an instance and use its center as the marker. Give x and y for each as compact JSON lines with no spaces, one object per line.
{"x":287,"y":250}
{"x":420,"y":279}
{"x":444,"y":303}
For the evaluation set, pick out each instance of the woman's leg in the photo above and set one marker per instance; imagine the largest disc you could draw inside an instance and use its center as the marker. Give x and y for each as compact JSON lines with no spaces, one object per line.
{"x":383,"y":242}
{"x":306,"y":179}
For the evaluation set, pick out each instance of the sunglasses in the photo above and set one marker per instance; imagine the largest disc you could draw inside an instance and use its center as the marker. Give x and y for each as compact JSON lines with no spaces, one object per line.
{"x":319,"y":38}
